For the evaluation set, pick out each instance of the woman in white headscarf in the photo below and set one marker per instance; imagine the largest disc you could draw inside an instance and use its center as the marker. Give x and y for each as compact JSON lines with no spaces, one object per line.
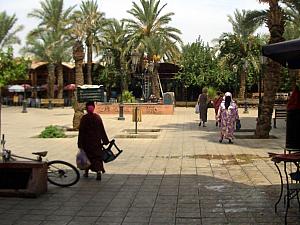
{"x":227,"y":116}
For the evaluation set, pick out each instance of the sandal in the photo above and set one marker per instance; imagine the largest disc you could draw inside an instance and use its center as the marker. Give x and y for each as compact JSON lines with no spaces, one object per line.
{"x":98,"y":176}
{"x":86,"y":173}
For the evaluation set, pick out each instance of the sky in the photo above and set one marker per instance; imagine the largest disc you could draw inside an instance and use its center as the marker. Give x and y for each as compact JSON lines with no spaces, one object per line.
{"x":205,"y":18}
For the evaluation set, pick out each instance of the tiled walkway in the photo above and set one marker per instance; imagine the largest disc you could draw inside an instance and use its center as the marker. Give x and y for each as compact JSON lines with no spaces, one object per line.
{"x":183,"y":177}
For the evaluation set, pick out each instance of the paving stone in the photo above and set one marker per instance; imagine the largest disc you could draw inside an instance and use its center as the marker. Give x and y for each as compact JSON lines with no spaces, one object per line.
{"x":183,"y":177}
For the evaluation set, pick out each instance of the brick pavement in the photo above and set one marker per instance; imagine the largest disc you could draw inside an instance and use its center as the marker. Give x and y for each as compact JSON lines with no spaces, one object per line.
{"x":183,"y":177}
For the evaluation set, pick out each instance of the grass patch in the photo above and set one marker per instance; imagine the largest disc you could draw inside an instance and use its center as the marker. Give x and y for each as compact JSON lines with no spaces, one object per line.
{"x":53,"y":132}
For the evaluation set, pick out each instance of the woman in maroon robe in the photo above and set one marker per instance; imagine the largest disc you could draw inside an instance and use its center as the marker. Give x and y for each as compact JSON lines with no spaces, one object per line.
{"x":91,"y":137}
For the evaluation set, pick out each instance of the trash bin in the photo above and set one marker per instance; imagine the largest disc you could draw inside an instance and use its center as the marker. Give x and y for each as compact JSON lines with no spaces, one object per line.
{"x":292,"y":129}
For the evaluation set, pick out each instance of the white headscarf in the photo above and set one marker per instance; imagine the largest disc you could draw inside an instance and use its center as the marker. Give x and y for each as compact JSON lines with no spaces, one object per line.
{"x":232,"y":103}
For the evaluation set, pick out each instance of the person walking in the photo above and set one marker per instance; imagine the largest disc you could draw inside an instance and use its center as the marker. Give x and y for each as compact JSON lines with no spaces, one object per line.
{"x":202,"y":102}
{"x":217,"y":102}
{"x":227,"y":116}
{"x":91,"y":137}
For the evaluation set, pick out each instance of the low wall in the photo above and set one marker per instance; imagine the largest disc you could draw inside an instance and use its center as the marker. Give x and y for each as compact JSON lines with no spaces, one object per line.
{"x":146,"y":108}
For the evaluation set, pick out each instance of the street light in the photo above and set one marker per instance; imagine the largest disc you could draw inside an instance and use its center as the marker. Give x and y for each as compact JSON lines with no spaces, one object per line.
{"x":245,"y":66}
{"x":109,"y":60}
{"x":235,"y":69}
{"x":135,"y":57}
{"x":263,"y":61}
{"x":121,"y":106}
{"x":24,"y":103}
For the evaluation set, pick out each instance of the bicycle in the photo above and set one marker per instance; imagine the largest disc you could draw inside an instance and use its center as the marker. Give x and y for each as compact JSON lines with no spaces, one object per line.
{"x":60,"y":173}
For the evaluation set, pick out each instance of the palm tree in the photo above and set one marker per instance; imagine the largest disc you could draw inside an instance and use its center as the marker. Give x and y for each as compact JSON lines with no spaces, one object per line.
{"x":275,"y":19}
{"x":8,"y":30}
{"x":42,"y":47}
{"x":148,"y":22}
{"x":77,"y":33}
{"x":115,"y":41}
{"x":239,"y":48}
{"x":93,"y":21}
{"x":54,"y":23}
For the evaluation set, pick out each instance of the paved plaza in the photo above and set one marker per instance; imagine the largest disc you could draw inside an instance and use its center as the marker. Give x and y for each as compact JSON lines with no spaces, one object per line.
{"x":184,"y":176}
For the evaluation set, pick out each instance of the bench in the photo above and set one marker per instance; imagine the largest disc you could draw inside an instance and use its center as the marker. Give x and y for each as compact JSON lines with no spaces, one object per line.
{"x":255,"y":95}
{"x":23,"y":178}
{"x":279,"y":114}
{"x":52,"y":101}
{"x":251,"y":102}
{"x":281,"y":98}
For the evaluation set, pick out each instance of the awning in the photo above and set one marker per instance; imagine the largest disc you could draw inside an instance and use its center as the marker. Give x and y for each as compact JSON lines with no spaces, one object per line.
{"x":287,"y":53}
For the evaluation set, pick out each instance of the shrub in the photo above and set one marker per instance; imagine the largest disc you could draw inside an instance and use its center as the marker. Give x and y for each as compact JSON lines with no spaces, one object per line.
{"x":53,"y":132}
{"x":128,"y":97}
{"x":211,"y":92}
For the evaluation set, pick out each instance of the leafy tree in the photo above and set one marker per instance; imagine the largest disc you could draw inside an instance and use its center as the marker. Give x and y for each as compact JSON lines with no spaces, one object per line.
{"x":8,"y":30}
{"x":200,"y":67}
{"x":12,"y":68}
{"x":114,"y":44}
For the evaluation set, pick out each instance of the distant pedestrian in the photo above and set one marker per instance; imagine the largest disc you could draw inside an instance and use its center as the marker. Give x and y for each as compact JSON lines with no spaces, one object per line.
{"x":91,"y":137}
{"x":227,"y":116}
{"x":202,"y":102}
{"x":217,"y":102}
{"x":15,"y":99}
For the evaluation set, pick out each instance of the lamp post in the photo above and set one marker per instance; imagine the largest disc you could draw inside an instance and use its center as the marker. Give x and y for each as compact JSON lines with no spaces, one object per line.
{"x":235,"y":69}
{"x":24,"y":103}
{"x":263,"y":61}
{"x":121,"y":106}
{"x":135,"y":57}
{"x":245,"y":66}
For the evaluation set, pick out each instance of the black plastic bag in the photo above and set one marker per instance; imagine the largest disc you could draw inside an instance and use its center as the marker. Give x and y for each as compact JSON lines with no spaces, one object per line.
{"x":238,"y":125}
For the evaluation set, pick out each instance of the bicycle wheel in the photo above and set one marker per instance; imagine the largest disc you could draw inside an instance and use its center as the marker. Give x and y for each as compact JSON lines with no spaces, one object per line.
{"x":62,"y":173}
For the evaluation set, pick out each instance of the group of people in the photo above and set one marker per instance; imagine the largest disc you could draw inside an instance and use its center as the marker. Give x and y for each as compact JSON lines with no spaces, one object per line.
{"x":226,"y":113}
{"x":92,"y":135}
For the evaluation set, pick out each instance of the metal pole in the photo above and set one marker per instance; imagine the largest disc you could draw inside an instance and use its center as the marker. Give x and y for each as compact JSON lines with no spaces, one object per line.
{"x":136,"y":118}
{"x":259,"y":92}
{"x":24,"y":110}
{"x":245,"y":94}
{"x":121,"y":107}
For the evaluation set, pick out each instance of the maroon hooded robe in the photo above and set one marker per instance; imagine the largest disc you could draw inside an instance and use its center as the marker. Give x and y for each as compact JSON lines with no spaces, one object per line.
{"x":91,"y":136}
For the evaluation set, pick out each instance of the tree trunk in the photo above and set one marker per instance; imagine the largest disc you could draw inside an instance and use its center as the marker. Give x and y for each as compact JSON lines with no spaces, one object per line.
{"x":89,"y":61}
{"x":78,"y":56}
{"x":60,"y":80}
{"x":51,"y":78}
{"x":155,"y":82}
{"x":242,"y":90}
{"x":275,"y":23}
{"x":293,"y":78}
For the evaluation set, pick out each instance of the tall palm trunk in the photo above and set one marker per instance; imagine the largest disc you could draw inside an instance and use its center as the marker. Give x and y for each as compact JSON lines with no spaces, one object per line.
{"x":78,"y":56}
{"x":89,"y":61}
{"x":275,"y":23}
{"x":51,"y":78}
{"x":242,"y":90}
{"x":155,"y":82}
{"x":293,"y":77}
{"x":60,"y":80}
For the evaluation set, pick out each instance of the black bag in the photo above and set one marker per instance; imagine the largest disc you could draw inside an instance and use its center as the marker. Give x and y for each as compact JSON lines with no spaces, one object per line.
{"x":238,"y":125}
{"x":108,"y":155}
